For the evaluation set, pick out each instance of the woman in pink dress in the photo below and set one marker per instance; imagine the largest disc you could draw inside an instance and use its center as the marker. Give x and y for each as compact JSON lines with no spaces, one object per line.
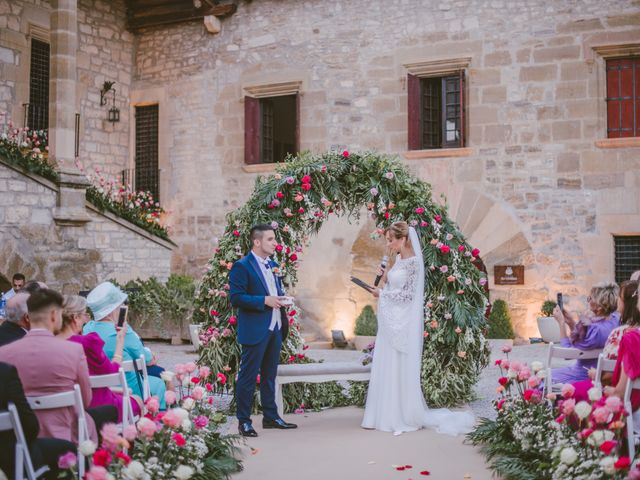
{"x":74,"y":317}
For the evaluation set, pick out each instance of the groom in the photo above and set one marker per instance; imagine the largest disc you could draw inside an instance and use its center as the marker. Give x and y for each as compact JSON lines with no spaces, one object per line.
{"x":258,"y":295}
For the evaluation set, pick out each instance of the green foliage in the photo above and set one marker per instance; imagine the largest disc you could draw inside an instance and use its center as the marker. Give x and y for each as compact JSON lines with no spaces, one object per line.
{"x":500,"y":321}
{"x":161,"y":303}
{"x":341,"y":184}
{"x":28,"y":161}
{"x":367,"y":322}
{"x":547,"y":308}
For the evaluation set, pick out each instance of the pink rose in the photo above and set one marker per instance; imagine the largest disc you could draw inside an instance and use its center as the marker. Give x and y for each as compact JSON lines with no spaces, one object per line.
{"x":153,"y":405}
{"x":130,"y":433}
{"x":233,"y":320}
{"x":171,"y":419}
{"x":419,"y":210}
{"x":147,"y":427}
{"x":206,"y":371}
{"x":445,"y":249}
{"x":568,"y":406}
{"x":533,"y":382}
{"x":201,"y":421}
{"x":444,"y":269}
{"x":601,"y":414}
{"x":290,"y":180}
{"x":373,"y":191}
{"x":197,"y":393}
{"x":388,"y":175}
{"x":568,"y":390}
{"x":483,"y":281}
{"x":96,"y":473}
{"x":524,"y":374}
{"x":423,"y":224}
{"x":180,"y":369}
{"x":110,"y":436}
{"x":67,"y":460}
{"x":613,"y":403}
{"x":506,"y":348}
{"x":190,"y":367}
{"x":438,"y":218}
{"x":451,"y":278}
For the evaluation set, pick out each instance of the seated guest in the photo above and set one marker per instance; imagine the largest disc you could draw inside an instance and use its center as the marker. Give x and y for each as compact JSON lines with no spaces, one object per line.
{"x":44,"y":451}
{"x":589,"y":332}
{"x":47,"y":365}
{"x":105,"y":301}
{"x":629,"y":319}
{"x":17,"y":282}
{"x":627,"y":367}
{"x":16,"y":323}
{"x":74,"y":317}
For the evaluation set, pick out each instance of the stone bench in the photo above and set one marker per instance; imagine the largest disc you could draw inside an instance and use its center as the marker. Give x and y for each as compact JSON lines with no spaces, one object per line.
{"x":318,"y":373}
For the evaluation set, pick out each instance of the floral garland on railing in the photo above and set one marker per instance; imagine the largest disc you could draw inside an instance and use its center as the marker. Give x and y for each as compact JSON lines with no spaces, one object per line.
{"x":538,"y":438}
{"x":181,"y":443}
{"x":296,"y":201}
{"x":28,"y":149}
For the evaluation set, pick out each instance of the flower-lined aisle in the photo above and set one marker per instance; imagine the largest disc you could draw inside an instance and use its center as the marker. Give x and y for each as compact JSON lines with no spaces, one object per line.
{"x":296,"y":201}
{"x":181,"y":443}
{"x":538,"y":437}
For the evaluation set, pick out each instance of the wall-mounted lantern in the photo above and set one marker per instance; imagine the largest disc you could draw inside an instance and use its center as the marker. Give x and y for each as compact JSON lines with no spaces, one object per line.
{"x":114,"y":112}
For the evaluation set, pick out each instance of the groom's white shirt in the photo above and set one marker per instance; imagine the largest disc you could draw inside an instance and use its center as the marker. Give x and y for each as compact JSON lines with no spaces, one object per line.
{"x":267,"y":274}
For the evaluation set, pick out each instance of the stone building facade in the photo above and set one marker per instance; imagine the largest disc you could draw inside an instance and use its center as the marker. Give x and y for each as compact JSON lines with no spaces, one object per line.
{"x":537,"y":183}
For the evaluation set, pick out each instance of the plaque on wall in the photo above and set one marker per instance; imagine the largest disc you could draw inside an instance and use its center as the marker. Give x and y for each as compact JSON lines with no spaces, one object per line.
{"x":508,"y":274}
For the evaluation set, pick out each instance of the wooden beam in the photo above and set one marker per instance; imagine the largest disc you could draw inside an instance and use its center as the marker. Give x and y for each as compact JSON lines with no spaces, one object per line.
{"x":149,"y":18}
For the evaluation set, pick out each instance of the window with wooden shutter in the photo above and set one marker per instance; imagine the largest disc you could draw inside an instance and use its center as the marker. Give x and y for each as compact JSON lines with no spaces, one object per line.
{"x":436,"y":111}
{"x":623,"y":93}
{"x":38,"y":113}
{"x":627,"y":256}
{"x":272,"y":130}
{"x":147,"y":175}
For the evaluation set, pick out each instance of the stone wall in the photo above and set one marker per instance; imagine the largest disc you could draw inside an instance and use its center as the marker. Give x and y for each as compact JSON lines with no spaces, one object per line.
{"x":535,"y":111}
{"x":70,"y":258}
{"x":105,"y":52}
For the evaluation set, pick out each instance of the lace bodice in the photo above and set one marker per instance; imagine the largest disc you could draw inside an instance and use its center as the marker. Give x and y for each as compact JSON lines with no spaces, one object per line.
{"x":401,"y":281}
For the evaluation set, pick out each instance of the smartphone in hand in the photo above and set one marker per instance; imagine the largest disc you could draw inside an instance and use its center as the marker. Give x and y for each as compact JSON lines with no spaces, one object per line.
{"x":122,"y":316}
{"x":560,"y":301}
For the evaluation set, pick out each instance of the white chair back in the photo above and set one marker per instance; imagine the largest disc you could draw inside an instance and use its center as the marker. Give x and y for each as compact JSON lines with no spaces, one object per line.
{"x":631,"y":433}
{"x":604,"y":365}
{"x":566,"y":353}
{"x":10,"y":420}
{"x":128,"y":366}
{"x":72,"y":398}
{"x":117,"y":380}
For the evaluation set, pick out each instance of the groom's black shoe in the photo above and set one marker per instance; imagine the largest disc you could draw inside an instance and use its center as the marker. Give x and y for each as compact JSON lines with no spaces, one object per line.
{"x":278,"y":423}
{"x":246,"y":430}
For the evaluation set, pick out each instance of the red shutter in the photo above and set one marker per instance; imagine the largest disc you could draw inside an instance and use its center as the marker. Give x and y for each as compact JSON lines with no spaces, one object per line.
{"x":251,"y":130}
{"x":622,"y":97}
{"x":413,"y":99}
{"x":297,"y":146}
{"x":463,"y":111}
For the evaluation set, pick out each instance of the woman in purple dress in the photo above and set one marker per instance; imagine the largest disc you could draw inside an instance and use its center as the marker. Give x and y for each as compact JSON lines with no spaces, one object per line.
{"x":588,"y":332}
{"x":74,"y":316}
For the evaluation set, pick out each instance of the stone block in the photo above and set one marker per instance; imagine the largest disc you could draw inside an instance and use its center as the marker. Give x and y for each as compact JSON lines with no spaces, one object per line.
{"x":569,"y":183}
{"x":624,"y":20}
{"x":539,"y":73}
{"x":497,"y":134}
{"x":556,"y":54}
{"x":498,"y":58}
{"x":582,"y":25}
{"x":600,"y":181}
{"x":17,"y":214}
{"x":480,"y":115}
{"x":494,"y":94}
{"x":571,"y":90}
{"x":567,"y":162}
{"x":485,"y":76}
{"x":565,"y":130}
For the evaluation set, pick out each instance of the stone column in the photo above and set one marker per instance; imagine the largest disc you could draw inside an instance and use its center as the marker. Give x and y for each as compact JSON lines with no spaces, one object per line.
{"x":70,"y":209}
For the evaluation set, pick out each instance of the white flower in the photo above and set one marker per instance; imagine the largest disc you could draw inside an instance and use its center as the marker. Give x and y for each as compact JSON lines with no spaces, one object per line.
{"x":186,"y":425}
{"x":188,"y":404}
{"x":512,"y":373}
{"x":182,"y":413}
{"x":595,"y":394}
{"x":536,"y":366}
{"x":607,"y":465}
{"x":542,"y":373}
{"x":134,"y":470}
{"x":583,"y":409}
{"x":167,"y":376}
{"x":186,"y":382}
{"x":568,"y":455}
{"x":87,"y":448}
{"x":598,"y":437}
{"x":183,"y":472}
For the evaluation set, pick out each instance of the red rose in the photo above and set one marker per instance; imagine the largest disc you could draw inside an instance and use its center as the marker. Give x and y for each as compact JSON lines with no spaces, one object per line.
{"x":258,"y":378}
{"x":500,"y":404}
{"x":222,"y":378}
{"x":287,"y":251}
{"x":209,"y":387}
{"x":503,"y":381}
{"x":195,"y":380}
{"x":345,"y":154}
{"x":271,"y":205}
{"x":445,"y":249}
{"x":461,"y":248}
{"x":291,"y":359}
{"x":438,"y":218}
{"x":623,"y":462}
{"x":560,"y":419}
{"x":419,"y":210}
{"x":292,"y":313}
{"x":607,"y":446}
{"x":528,"y":394}
{"x":279,"y":248}
{"x":179,"y":439}
{"x":236,"y":233}
{"x":102,"y":458}
{"x":306,"y":186}
{"x":323,"y":168}
{"x":498,"y":362}
{"x":387,"y":215}
{"x":126,"y":459}
{"x":214,"y":313}
{"x":293,"y":257}
{"x":291,"y":321}
{"x":280,"y":195}
{"x":400,"y":468}
{"x":425,"y":472}
{"x":306,"y":179}
{"x":233,"y":320}
{"x":301,"y":210}
{"x":475,"y":252}
{"x":300,"y":356}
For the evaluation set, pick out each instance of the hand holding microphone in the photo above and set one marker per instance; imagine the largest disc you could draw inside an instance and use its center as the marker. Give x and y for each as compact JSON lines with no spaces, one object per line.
{"x":383,"y":267}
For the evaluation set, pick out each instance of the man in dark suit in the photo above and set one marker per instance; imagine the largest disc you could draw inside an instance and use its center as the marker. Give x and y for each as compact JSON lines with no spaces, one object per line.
{"x":258,"y":295}
{"x":16,"y":324}
{"x":44,"y":451}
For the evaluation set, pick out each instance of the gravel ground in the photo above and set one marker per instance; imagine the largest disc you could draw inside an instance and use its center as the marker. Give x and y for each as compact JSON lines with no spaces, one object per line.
{"x":485,"y":388}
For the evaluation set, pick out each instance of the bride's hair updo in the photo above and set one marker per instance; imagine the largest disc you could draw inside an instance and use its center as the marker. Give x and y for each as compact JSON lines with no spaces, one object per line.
{"x":399,"y":229}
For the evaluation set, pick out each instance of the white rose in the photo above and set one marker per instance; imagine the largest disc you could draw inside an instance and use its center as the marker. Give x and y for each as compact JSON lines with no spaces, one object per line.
{"x":167,"y":376}
{"x":182,"y":413}
{"x":598,"y":437}
{"x":607,"y":465}
{"x":186,"y":382}
{"x":186,"y":425}
{"x":536,"y":366}
{"x":87,"y":448}
{"x":568,"y":455}
{"x":188,"y":404}
{"x":183,"y":472}
{"x":595,"y":394}
{"x":134,"y":470}
{"x":512,"y":373}
{"x":542,"y":373}
{"x":583,"y":409}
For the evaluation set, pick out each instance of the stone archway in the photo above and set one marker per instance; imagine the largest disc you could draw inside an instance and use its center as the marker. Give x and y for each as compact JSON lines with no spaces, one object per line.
{"x":297,"y":201}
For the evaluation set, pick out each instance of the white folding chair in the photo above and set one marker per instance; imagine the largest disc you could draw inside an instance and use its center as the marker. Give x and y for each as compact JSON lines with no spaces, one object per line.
{"x":604,"y":365}
{"x":10,"y":420}
{"x":565,"y":353}
{"x":72,"y":398}
{"x":632,"y":436}
{"x":117,"y":381}
{"x":128,"y":366}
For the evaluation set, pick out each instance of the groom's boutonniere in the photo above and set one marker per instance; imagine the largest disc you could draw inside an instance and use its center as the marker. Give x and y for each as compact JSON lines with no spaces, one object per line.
{"x":276,"y":271}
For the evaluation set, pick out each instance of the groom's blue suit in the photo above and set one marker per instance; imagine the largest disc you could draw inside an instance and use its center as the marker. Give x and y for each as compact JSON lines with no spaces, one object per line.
{"x":260,"y":346}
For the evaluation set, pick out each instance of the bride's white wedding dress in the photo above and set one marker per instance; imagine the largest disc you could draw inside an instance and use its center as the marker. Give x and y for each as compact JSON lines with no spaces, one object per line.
{"x":394,"y":400}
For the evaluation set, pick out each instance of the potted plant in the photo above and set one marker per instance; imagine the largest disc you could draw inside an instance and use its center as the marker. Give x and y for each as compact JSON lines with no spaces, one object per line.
{"x":547,"y":325}
{"x":366,"y":328}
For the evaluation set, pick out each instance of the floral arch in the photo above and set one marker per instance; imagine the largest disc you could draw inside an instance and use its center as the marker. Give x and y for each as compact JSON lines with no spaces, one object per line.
{"x":296,"y":201}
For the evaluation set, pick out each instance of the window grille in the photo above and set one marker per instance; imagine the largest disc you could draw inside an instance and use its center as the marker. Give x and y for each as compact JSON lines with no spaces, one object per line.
{"x":627,"y":256}
{"x":147,"y":176}
{"x":38,"y":116}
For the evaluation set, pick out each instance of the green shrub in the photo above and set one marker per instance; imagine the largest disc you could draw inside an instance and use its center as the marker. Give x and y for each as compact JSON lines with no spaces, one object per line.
{"x":500,"y":321}
{"x":547,"y":308}
{"x":367,"y":322}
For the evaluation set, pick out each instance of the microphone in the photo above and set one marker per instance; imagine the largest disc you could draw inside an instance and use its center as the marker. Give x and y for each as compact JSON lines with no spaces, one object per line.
{"x":383,"y":265}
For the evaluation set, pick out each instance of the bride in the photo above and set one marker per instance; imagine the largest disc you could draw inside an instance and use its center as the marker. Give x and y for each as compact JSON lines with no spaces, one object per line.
{"x":394,"y":400}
